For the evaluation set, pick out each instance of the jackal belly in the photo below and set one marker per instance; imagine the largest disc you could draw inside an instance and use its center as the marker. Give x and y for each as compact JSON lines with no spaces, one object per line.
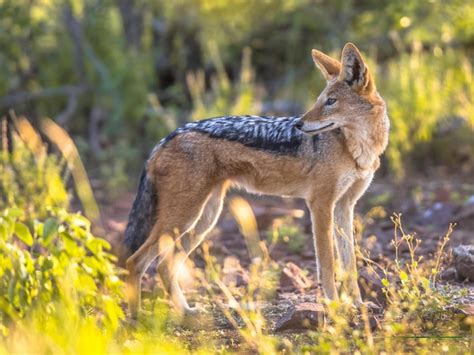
{"x":270,"y":186}
{"x":300,"y":175}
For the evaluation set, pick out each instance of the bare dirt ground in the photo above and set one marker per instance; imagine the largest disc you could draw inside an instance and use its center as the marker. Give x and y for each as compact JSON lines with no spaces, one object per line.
{"x":427,"y":207}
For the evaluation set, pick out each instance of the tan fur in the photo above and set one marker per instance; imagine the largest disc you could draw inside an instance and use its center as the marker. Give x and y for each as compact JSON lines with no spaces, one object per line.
{"x":193,"y":171}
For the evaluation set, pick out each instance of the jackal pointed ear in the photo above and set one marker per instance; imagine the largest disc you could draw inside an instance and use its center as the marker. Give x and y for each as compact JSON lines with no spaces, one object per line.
{"x":354,"y":71}
{"x":329,"y":67}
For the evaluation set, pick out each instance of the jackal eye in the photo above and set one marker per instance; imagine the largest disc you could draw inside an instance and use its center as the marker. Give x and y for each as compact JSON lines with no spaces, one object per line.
{"x":330,"y":101}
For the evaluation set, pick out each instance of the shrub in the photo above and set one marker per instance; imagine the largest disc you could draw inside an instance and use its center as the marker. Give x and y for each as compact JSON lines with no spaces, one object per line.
{"x":45,"y":261}
{"x":29,"y":178}
{"x":33,"y":179}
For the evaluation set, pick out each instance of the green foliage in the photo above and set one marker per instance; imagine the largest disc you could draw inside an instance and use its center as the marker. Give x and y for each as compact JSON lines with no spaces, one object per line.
{"x":33,"y":179}
{"x":44,"y":264}
{"x":123,"y":59}
{"x":29,"y":181}
{"x":224,"y":96}
{"x":51,"y":266}
{"x":423,"y":91}
{"x":286,"y":231}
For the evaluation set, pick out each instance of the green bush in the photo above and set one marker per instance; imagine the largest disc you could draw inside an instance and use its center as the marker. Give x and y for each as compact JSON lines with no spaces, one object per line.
{"x":45,"y":261}
{"x":31,"y":181}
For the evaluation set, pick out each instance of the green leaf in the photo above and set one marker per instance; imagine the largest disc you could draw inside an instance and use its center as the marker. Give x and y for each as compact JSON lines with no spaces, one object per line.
{"x":3,"y":233}
{"x":81,"y":221}
{"x":14,"y":212}
{"x":50,"y":228}
{"x":23,"y":232}
{"x":11,"y":290}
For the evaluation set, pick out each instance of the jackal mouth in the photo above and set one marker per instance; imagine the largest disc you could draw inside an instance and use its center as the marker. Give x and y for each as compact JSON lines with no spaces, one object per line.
{"x":319,"y":129}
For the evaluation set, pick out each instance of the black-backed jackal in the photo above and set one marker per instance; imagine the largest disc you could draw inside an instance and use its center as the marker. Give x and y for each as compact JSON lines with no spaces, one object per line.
{"x":328,"y":157}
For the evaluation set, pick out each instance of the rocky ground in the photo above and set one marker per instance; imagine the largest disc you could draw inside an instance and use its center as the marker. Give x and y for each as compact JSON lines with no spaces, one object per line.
{"x":427,"y":208}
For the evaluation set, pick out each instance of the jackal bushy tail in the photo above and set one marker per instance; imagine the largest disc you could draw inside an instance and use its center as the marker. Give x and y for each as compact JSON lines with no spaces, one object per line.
{"x":142,"y":216}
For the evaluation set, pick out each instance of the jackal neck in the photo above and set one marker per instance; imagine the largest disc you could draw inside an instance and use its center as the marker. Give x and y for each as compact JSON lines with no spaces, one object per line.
{"x":368,"y":140}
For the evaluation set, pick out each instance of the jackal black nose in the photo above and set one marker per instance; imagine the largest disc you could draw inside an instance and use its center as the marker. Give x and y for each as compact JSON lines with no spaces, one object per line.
{"x":299,"y":124}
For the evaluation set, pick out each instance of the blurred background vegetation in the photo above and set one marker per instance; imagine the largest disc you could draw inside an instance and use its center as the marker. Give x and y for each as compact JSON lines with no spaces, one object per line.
{"x":119,"y":75}
{"x":116,"y":76}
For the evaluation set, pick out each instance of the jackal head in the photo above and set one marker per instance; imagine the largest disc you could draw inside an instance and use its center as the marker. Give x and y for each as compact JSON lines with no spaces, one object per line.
{"x":349,"y":98}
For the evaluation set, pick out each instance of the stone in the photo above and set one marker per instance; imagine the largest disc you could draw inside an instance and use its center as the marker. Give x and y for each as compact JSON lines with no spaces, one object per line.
{"x":464,"y":261}
{"x":371,"y":287}
{"x":450,"y":274}
{"x":302,"y":316}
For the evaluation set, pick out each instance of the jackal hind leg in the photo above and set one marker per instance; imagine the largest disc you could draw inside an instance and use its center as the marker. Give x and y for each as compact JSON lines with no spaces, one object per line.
{"x":169,"y":266}
{"x":136,"y":266}
{"x":177,"y":213}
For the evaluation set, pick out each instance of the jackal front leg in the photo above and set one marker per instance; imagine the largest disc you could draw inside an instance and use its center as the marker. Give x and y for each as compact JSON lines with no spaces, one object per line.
{"x":344,"y":233}
{"x":344,"y":215}
{"x":322,"y":220}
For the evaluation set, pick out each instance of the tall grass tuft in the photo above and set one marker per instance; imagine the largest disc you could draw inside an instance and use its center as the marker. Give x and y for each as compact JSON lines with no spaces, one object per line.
{"x":423,"y":90}
{"x":224,"y":97}
{"x":30,"y":179}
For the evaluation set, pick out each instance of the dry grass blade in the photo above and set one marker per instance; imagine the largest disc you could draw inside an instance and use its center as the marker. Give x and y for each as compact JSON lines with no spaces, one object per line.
{"x":29,"y":135}
{"x":242,"y":212}
{"x":68,"y":149}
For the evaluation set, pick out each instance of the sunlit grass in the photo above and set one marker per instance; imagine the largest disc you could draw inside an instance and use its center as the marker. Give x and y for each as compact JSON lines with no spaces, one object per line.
{"x":69,"y":151}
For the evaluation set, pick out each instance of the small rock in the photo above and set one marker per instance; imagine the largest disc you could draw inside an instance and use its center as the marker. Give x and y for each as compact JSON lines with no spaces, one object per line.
{"x":450,"y":274}
{"x":234,"y":273}
{"x":293,"y":278}
{"x":464,"y":261}
{"x":465,"y":217}
{"x":301,"y":316}
{"x":462,"y":236}
{"x":371,"y":287}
